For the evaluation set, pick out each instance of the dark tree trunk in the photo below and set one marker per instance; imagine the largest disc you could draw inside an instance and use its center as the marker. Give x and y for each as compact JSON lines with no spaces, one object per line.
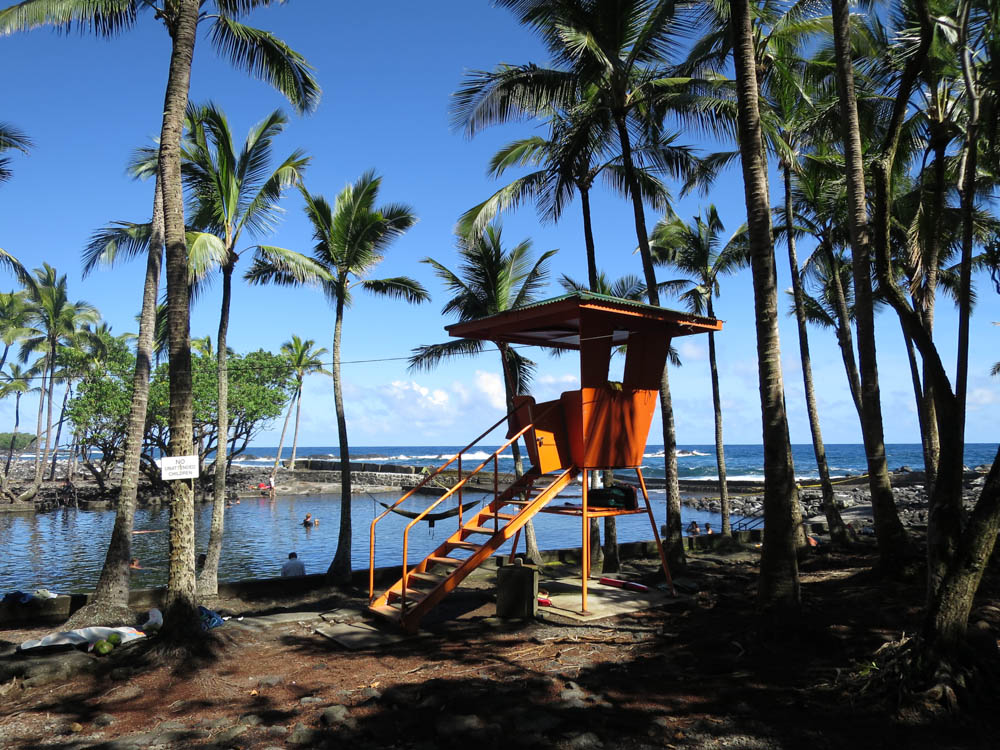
{"x":284,"y":428}
{"x":673,"y":538}
{"x":588,"y":237}
{"x":720,"y":450}
{"x":110,"y":600}
{"x":531,"y":551}
{"x":844,"y":337}
{"x":340,"y":568}
{"x":295,"y":433}
{"x":46,"y":372}
{"x":208,"y":581}
{"x":892,"y":539}
{"x":59,"y":426}
{"x":779,"y":580}
{"x":838,"y":530}
{"x":181,"y":617}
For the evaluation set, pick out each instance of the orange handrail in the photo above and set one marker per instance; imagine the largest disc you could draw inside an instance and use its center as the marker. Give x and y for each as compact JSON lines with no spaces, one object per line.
{"x":408,"y":495}
{"x":432,"y":506}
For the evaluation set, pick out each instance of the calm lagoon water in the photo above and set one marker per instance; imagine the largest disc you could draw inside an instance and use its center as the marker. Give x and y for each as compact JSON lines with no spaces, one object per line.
{"x":63,"y":550}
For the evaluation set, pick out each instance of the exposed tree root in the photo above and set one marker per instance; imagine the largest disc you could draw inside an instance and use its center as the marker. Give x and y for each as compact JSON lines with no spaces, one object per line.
{"x":923,"y":684}
{"x":98,"y":613}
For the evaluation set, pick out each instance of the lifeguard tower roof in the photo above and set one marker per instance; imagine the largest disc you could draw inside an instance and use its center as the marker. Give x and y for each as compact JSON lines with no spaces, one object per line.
{"x":557,"y":322}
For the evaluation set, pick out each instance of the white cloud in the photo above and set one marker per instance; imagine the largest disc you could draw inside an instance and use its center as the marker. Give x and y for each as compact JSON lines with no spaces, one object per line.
{"x":693,"y":351}
{"x":490,"y":385}
{"x":980,"y":397}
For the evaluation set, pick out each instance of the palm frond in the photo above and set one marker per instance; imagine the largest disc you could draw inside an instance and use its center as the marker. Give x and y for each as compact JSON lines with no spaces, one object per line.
{"x":428,"y":357}
{"x":268,"y":58}
{"x":119,"y":241}
{"x":399,"y":287}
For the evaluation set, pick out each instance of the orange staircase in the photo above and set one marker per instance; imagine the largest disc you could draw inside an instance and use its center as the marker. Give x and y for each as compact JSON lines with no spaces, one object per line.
{"x":437,"y":575}
{"x":424,"y":585}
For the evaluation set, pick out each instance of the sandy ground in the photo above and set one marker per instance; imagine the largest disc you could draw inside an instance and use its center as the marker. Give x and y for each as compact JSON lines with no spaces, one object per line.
{"x":701,"y":671}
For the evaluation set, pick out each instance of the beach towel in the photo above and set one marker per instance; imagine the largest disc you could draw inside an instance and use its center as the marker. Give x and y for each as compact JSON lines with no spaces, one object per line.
{"x":90,"y":636}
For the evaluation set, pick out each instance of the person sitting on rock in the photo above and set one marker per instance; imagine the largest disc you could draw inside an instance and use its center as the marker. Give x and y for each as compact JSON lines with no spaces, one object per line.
{"x":293,"y":566}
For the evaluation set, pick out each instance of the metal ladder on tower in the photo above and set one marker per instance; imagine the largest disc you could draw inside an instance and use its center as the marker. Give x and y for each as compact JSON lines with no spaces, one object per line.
{"x":425,"y":584}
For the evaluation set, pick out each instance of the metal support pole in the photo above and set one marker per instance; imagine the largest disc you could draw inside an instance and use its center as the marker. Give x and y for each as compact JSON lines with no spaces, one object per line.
{"x":656,"y":533}
{"x":586,"y":545}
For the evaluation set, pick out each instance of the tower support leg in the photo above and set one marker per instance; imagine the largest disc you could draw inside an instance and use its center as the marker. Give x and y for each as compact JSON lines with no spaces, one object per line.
{"x":656,"y":532}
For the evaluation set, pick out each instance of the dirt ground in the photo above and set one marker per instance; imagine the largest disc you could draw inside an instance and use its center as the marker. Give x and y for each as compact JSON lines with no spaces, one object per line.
{"x":702,"y":672}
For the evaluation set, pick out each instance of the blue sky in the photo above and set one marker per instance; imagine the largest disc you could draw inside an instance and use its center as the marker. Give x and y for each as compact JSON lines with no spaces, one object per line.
{"x":387,"y":71}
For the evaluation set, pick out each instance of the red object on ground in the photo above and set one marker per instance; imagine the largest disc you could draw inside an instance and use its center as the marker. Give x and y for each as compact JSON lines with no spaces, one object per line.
{"x":630,"y":585}
{"x":543,"y":602}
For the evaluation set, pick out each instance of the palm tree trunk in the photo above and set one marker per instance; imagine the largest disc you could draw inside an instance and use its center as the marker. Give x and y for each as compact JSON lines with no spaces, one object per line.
{"x":13,"y":435}
{"x":779,"y":580}
{"x":930,"y":456}
{"x":295,"y":433}
{"x":892,"y":538}
{"x":109,"y":603}
{"x":59,"y":425}
{"x":588,"y":237}
{"x":673,"y":541}
{"x":967,"y":193}
{"x":673,"y":538}
{"x":50,"y":399}
{"x":281,"y":441}
{"x":531,"y":551}
{"x":838,"y":529}
{"x":340,"y":568}
{"x":844,"y":338}
{"x":181,"y":620}
{"x":41,"y":416}
{"x":208,"y":581}
{"x":720,"y":451}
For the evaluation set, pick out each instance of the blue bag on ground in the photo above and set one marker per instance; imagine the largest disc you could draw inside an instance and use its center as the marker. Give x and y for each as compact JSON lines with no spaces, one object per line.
{"x":209,"y":619}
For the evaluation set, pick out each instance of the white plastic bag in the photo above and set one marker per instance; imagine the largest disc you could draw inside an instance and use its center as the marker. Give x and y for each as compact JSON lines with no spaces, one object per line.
{"x":154,"y":620}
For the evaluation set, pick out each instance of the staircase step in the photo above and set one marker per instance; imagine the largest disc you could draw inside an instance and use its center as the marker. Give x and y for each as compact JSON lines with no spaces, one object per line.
{"x":471,"y":546}
{"x":498,"y":516}
{"x":426,"y":578}
{"x":389,"y":613}
{"x":412,"y":596}
{"x":444,"y":560}
{"x":478,"y":530}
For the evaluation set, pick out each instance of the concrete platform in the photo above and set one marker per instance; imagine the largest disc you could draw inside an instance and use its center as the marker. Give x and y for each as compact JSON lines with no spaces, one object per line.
{"x":602,"y":600}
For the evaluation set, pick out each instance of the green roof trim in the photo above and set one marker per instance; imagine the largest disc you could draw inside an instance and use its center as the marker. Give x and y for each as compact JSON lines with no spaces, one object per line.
{"x":584,"y":296}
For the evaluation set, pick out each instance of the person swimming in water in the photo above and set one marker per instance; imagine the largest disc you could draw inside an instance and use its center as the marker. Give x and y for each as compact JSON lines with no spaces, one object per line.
{"x":308,"y":521}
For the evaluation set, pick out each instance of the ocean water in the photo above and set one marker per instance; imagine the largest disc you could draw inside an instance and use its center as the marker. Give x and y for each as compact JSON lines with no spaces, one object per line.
{"x":743,"y":462}
{"x":63,"y":549}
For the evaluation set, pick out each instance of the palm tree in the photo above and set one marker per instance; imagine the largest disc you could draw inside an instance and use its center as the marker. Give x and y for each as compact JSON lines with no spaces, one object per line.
{"x":232,"y":193}
{"x":263,"y":55}
{"x":631,"y":288}
{"x":489,"y":281}
{"x":52,"y":321}
{"x":15,"y":382}
{"x":779,"y":580}
{"x":351,"y":239}
{"x":569,"y":161}
{"x":13,"y":314}
{"x":694,"y":249}
{"x":613,"y":52}
{"x":892,"y":538}
{"x":304,"y":360}
{"x":11,"y":139}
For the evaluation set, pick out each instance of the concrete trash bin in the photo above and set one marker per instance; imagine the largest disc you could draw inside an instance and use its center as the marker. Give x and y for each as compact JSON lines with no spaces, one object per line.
{"x":517,"y":591}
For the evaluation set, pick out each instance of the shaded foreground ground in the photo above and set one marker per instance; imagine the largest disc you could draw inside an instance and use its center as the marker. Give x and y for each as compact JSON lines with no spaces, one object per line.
{"x":698,"y":673}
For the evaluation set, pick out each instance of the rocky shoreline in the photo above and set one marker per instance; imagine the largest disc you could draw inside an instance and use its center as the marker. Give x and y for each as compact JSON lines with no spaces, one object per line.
{"x":322,"y":475}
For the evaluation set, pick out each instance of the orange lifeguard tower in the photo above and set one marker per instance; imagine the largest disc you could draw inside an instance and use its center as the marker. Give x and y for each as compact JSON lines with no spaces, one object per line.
{"x":601,"y":426}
